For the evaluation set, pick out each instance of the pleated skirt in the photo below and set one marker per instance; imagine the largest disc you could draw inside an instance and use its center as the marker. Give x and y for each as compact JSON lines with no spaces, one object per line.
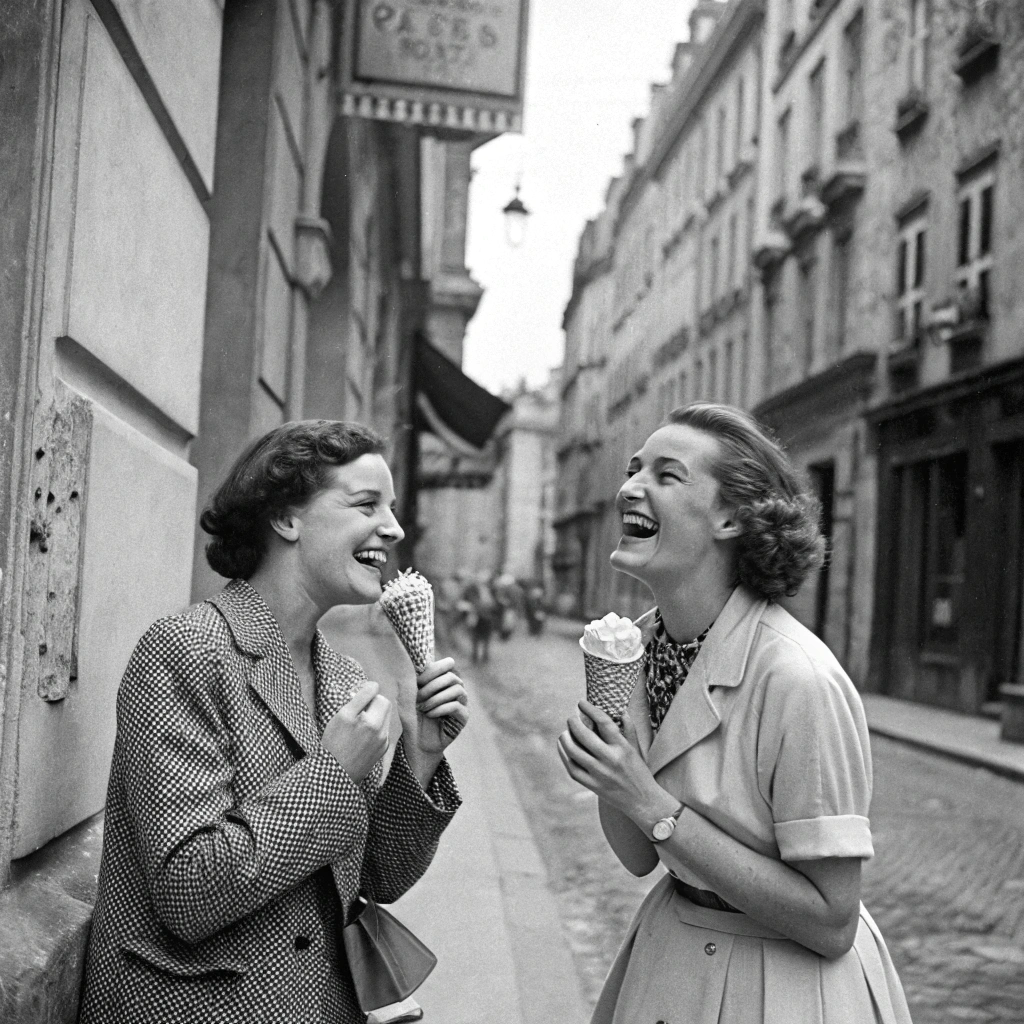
{"x":683,"y":964}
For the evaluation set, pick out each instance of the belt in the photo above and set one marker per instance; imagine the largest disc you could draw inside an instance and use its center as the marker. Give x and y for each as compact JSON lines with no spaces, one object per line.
{"x":703,"y":897}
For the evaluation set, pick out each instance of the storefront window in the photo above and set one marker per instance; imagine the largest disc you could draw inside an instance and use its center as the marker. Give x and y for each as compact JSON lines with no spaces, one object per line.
{"x":943,"y":573}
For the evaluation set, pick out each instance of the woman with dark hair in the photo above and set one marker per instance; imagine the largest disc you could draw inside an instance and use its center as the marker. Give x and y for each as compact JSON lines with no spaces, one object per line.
{"x":743,"y":765}
{"x":247,"y":819}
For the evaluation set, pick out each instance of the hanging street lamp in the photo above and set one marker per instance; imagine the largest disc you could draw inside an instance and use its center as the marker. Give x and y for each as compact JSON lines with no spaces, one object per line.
{"x":515,"y":220}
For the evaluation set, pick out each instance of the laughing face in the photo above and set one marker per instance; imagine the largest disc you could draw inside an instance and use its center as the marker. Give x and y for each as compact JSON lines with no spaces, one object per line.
{"x":671,"y":511}
{"x":346,"y":531}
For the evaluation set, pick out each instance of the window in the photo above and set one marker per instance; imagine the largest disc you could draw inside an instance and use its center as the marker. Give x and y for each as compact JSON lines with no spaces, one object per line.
{"x":910,"y":276}
{"x":771,"y":333}
{"x":720,"y":138}
{"x":727,"y":372}
{"x":974,"y":263}
{"x":704,"y":160}
{"x":944,"y":552}
{"x":730,"y":269}
{"x":682,"y":387}
{"x":806,"y":297}
{"x":741,"y":390}
{"x":782,"y":156}
{"x":738,"y":127}
{"x":917,"y":46}
{"x":853,"y":41}
{"x":713,"y":260}
{"x":713,"y":375}
{"x":698,"y":391}
{"x":841,"y":252}
{"x":816,"y":131}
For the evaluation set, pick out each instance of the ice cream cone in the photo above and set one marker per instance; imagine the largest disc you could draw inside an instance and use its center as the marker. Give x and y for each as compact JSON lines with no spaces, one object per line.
{"x":408,"y":602}
{"x":610,"y":683}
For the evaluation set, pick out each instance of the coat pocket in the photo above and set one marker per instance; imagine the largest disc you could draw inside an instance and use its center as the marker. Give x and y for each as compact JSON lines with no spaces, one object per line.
{"x":155,"y":986}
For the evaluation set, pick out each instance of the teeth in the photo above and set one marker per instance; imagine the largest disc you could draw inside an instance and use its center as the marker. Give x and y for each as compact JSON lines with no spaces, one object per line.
{"x":372,"y":555}
{"x":633,"y":519}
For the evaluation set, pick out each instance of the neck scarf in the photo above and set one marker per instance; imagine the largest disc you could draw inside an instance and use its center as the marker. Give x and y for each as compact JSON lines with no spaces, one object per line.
{"x":667,"y":664}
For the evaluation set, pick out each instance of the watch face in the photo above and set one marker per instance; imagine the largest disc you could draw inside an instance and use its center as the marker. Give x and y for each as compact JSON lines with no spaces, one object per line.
{"x":664,"y":828}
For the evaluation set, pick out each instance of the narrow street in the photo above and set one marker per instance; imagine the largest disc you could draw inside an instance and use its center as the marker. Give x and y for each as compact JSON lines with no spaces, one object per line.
{"x":946,"y":885}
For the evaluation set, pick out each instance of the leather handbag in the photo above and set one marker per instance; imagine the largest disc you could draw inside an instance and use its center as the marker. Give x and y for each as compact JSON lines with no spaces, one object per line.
{"x":387,"y":962}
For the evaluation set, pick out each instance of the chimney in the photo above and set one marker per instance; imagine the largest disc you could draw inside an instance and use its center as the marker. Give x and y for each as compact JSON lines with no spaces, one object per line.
{"x":681,"y":60}
{"x":703,"y":19}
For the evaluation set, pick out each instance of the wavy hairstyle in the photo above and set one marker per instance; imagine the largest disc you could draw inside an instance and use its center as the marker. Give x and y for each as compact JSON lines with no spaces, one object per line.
{"x":781,"y":542}
{"x":281,"y":470}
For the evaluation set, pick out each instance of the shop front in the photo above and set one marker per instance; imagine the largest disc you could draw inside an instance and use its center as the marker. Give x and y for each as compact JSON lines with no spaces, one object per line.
{"x":948,"y":608}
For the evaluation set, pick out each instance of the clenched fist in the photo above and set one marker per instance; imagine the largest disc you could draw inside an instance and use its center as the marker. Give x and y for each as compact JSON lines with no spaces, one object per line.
{"x":357,"y":735}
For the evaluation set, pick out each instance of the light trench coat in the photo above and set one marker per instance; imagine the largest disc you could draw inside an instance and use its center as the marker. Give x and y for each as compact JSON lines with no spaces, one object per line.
{"x":767,"y":739}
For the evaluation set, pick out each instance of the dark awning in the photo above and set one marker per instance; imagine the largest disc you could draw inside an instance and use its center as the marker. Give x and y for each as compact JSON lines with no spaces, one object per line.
{"x":450,"y":403}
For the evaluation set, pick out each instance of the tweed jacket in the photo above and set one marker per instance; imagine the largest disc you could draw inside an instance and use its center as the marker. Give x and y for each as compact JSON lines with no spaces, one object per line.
{"x":235,"y":845}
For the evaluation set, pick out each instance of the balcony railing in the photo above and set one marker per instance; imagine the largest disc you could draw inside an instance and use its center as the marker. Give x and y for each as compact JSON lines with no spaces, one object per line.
{"x":911,"y":114}
{"x":979,"y":43}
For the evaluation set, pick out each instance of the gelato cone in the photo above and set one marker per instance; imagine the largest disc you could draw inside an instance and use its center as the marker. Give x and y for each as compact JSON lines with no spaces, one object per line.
{"x":408,"y":602}
{"x":612,"y":657}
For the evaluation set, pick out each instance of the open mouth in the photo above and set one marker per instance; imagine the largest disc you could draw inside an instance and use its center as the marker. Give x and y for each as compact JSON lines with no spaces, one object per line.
{"x":372,"y":558}
{"x":636,"y":525}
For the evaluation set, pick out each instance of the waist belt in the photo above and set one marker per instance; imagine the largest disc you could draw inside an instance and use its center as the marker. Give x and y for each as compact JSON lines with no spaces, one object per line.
{"x":703,"y":897}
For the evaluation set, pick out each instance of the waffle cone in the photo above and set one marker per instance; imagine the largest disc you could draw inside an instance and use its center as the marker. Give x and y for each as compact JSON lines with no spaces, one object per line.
{"x":408,"y":602}
{"x":610,"y":683}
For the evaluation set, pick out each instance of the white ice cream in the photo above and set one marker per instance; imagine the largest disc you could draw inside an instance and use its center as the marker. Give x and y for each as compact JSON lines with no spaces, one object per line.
{"x":613,"y":638}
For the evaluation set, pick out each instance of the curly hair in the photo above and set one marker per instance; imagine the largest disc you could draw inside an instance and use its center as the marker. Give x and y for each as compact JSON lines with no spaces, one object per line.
{"x":781,"y":542}
{"x":279,"y":471}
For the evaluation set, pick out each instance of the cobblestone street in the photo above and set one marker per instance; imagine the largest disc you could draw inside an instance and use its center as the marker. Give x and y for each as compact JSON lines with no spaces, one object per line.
{"x":946,"y":885}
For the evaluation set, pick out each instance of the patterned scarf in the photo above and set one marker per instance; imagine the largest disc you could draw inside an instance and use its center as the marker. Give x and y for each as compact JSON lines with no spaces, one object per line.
{"x":667,"y":664}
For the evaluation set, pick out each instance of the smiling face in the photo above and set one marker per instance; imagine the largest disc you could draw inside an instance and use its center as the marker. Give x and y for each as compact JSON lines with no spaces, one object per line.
{"x":673,"y":521}
{"x":345,"y":532}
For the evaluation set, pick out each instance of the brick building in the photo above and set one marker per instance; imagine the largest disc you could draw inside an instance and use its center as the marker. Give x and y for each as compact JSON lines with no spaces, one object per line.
{"x":198,"y":246}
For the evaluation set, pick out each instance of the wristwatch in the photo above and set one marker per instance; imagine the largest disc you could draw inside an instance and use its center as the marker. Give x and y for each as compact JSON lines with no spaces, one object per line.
{"x":664,"y":827}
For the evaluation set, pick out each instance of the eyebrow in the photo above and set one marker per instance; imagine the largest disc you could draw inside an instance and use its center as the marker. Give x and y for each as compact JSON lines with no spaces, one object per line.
{"x":370,"y":492}
{"x":660,"y":462}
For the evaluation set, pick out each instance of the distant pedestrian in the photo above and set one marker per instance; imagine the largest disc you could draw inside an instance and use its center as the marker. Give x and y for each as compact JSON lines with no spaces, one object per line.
{"x":508,"y":595}
{"x":483,"y":611}
{"x":533,"y":608}
{"x":247,"y":817}
{"x":744,"y":765}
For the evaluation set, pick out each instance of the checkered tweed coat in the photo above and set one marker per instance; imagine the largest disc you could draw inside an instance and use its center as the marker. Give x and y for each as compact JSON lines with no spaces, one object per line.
{"x":235,"y":845}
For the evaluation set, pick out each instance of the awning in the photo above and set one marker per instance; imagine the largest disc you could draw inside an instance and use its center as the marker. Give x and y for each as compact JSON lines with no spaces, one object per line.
{"x":452,"y":405}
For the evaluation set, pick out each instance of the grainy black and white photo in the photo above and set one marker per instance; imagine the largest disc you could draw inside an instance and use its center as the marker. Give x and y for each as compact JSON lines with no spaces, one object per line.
{"x":511,"y":511}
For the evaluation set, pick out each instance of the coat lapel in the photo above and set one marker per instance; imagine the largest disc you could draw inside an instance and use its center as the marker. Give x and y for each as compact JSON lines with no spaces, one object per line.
{"x":334,"y":686}
{"x":722,"y":660}
{"x":273,"y":678}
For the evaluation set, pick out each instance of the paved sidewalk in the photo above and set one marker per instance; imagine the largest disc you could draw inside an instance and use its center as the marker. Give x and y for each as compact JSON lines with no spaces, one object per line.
{"x":968,"y":738}
{"x":484,"y":906}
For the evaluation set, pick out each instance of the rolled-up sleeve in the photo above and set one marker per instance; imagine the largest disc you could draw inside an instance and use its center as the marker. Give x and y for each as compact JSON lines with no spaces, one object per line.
{"x":814,"y":762}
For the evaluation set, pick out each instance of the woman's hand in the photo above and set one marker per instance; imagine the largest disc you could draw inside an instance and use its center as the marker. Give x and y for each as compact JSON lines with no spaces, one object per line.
{"x":357,"y":735}
{"x":441,"y":703}
{"x":607,"y":762}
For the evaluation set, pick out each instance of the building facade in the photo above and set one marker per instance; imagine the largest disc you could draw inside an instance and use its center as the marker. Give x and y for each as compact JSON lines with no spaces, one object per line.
{"x":491,"y":513}
{"x":874,"y":318}
{"x":198,"y":247}
{"x":660,"y":312}
{"x":821,"y":295}
{"x":947,"y":425}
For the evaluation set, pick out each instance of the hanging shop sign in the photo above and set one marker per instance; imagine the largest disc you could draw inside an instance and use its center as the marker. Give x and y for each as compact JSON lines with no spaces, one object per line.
{"x":453,"y":64}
